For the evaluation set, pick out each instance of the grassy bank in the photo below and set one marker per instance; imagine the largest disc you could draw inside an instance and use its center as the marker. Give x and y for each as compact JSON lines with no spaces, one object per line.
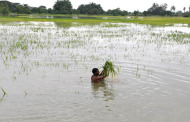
{"x":161,"y":21}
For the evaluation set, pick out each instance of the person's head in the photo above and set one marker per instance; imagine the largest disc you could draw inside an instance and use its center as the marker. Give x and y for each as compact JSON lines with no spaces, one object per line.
{"x":95,"y":71}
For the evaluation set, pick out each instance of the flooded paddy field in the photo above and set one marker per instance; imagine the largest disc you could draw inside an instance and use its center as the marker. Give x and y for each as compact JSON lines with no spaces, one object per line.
{"x":45,"y":70}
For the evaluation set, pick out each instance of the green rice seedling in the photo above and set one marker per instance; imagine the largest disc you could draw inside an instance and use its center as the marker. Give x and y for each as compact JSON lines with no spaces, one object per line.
{"x":4,"y":93}
{"x":25,"y":93}
{"x":109,"y":69}
{"x":14,"y":77}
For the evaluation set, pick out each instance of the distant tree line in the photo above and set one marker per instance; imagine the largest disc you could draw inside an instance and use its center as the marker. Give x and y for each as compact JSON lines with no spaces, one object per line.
{"x":65,"y":7}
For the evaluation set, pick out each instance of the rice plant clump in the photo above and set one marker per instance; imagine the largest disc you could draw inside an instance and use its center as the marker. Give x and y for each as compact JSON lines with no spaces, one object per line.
{"x":109,"y":69}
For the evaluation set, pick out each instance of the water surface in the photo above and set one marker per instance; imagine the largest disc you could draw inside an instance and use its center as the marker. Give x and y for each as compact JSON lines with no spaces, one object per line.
{"x":46,"y":69}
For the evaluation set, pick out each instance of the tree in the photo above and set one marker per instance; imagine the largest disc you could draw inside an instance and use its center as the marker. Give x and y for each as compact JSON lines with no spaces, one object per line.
{"x":1,"y":10}
{"x":5,"y":11}
{"x":184,"y":9}
{"x":145,"y":13}
{"x":26,"y":9}
{"x":154,"y":7}
{"x":34,"y":10}
{"x":179,"y":13}
{"x":63,"y":7}
{"x":92,"y":9}
{"x":124,"y":13}
{"x":173,"y":8}
{"x":136,"y":13}
{"x":20,"y":9}
{"x":157,"y":9}
{"x":50,"y":11}
{"x":82,"y":9}
{"x":117,"y":12}
{"x":16,"y":7}
{"x":74,"y":11}
{"x":42,"y":9}
{"x":164,"y":6}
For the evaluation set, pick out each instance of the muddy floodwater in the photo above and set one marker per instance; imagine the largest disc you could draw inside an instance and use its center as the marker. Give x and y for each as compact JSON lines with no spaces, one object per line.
{"x":45,"y":69}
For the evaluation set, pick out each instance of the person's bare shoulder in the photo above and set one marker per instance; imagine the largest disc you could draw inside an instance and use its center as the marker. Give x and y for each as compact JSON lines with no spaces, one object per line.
{"x":95,"y":79}
{"x":92,"y":78}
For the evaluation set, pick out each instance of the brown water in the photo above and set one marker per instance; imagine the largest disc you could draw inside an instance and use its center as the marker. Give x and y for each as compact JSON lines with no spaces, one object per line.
{"x":45,"y":69}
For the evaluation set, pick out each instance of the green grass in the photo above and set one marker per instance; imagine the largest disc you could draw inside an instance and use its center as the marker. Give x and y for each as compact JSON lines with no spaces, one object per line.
{"x":159,"y":21}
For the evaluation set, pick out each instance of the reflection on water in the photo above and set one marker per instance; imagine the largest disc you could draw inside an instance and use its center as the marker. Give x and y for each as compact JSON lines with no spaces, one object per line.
{"x":101,"y":88}
{"x":73,"y":17}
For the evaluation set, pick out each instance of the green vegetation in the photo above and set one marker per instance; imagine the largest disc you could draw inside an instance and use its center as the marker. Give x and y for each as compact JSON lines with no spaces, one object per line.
{"x":109,"y":69}
{"x":5,"y":11}
{"x":65,"y":7}
{"x":90,"y":9}
{"x":157,"y":9}
{"x":4,"y":93}
{"x":161,"y":21}
{"x":25,"y":93}
{"x":117,"y":12}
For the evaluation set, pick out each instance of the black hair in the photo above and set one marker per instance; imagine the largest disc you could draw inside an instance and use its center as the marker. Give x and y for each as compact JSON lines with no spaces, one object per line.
{"x":94,"y":70}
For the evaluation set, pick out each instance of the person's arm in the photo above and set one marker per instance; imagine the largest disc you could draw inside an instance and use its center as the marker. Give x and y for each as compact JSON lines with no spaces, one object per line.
{"x":100,"y":77}
{"x":101,"y":74}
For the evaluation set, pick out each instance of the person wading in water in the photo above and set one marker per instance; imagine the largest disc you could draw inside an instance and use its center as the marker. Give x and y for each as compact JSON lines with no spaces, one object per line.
{"x":96,"y":78}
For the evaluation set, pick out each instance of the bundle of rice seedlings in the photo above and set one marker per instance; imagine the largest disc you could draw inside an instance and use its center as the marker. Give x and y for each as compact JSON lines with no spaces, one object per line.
{"x":109,"y":69}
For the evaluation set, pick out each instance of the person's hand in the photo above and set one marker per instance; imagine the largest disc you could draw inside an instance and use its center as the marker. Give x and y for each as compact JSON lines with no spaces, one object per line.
{"x":101,"y":72}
